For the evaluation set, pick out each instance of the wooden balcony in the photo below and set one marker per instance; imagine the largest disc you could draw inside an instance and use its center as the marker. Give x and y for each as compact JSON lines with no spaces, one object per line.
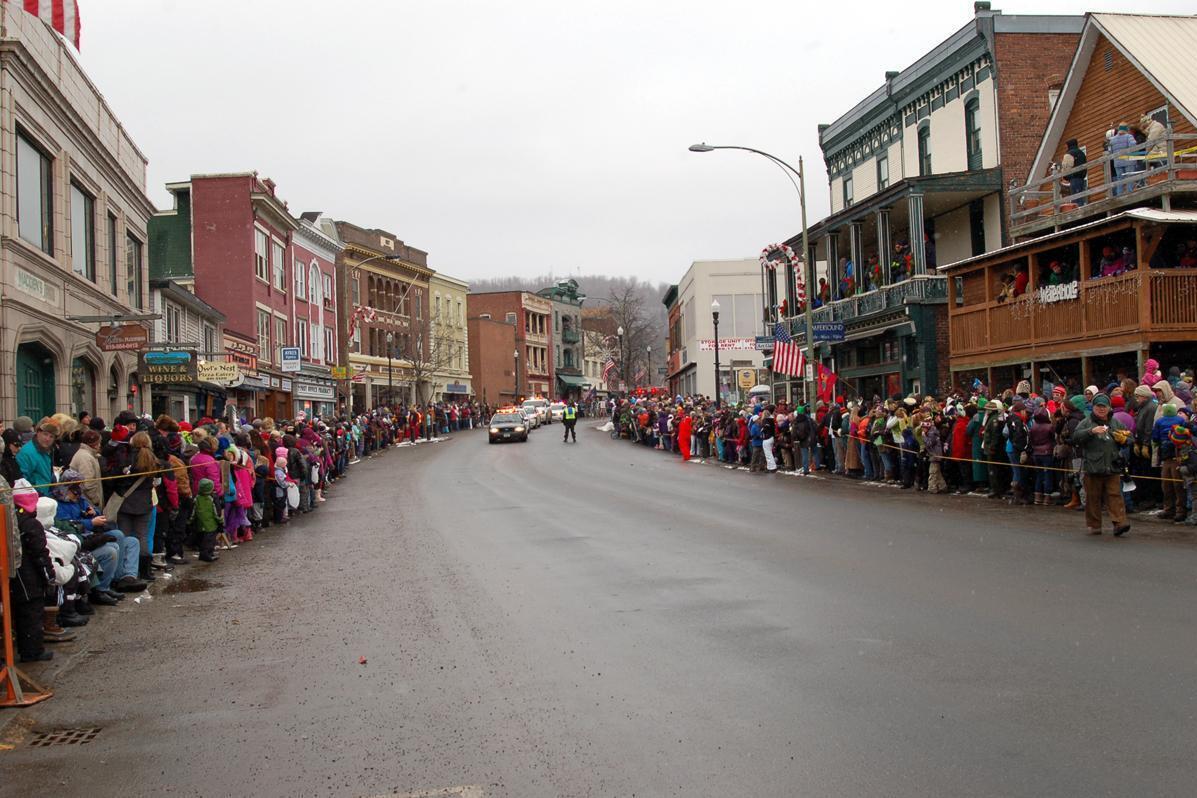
{"x":1170,"y":175}
{"x":1148,"y":294}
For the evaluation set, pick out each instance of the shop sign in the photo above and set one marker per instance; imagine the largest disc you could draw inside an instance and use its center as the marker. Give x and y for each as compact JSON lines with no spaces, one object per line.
{"x":167,"y":367}
{"x":247,"y":363}
{"x":340,"y":372}
{"x":219,"y":372}
{"x":125,"y":338}
{"x":764,"y":342}
{"x":1058,"y":293}
{"x":275,"y":382}
{"x":237,"y":345}
{"x":289,"y":359}
{"x":456,"y":387}
{"x":286,"y":385}
{"x":728,"y":345}
{"x":832,"y":331}
{"x":314,"y":391}
{"x":746,"y":378}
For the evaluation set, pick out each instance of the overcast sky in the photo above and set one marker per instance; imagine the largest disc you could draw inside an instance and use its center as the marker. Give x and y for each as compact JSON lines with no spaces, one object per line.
{"x":515,"y":137}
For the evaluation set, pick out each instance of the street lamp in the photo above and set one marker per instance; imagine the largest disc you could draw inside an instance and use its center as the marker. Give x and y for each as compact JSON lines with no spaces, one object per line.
{"x":390,"y":374}
{"x":715,"y":320}
{"x":516,"y":396}
{"x":623,"y":376}
{"x":808,"y":267}
{"x":648,"y":366}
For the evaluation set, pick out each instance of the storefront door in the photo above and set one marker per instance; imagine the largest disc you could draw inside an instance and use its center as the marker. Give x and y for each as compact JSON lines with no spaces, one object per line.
{"x":35,"y":382}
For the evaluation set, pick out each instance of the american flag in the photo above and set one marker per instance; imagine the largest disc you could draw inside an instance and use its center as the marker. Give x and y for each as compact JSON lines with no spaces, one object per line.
{"x":608,"y":367}
{"x":61,"y":15}
{"x":788,"y":357}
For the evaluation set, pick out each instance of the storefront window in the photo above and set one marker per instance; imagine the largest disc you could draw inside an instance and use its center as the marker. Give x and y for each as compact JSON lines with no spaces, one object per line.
{"x":83,"y":387}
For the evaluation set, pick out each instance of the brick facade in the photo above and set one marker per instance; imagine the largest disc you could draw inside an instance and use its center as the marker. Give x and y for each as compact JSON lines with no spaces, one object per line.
{"x":492,"y":345}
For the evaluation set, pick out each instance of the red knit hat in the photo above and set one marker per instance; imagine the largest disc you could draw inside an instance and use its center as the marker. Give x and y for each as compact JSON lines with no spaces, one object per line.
{"x":1117,"y":402}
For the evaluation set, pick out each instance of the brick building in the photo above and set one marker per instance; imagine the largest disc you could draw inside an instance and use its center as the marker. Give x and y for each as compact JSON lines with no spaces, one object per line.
{"x":384,"y":292}
{"x":492,"y":347}
{"x":532,"y":316}
{"x":73,"y":216}
{"x":229,"y":238}
{"x":315,"y":247}
{"x":918,"y":174}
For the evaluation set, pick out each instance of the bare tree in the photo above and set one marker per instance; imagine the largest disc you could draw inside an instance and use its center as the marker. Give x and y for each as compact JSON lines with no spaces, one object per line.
{"x":430,"y":348}
{"x":641,"y":343}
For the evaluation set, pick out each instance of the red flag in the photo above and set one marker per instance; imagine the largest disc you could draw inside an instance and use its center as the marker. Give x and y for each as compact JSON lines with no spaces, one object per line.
{"x":826,"y":387}
{"x":61,"y":15}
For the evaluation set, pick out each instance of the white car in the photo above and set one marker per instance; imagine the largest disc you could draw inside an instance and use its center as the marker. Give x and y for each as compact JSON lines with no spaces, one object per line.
{"x":530,"y":417}
{"x":557,"y":411}
{"x":540,"y":407}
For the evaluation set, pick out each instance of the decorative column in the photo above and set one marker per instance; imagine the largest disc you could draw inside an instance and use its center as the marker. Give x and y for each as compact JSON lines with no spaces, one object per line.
{"x":918,"y":251}
{"x":855,"y":247}
{"x":884,"y":246}
{"x":832,"y":247}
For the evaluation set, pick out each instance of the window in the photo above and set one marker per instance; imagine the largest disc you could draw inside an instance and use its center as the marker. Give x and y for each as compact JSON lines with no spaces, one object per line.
{"x":315,"y":282}
{"x":280,"y":338}
{"x":83,"y":233}
{"x":328,"y":292}
{"x":847,"y":190}
{"x":133,"y":271}
{"x":261,"y":268}
{"x":35,"y":197}
{"x":264,"y":335}
{"x":301,"y":336}
{"x":174,"y":323}
{"x":511,"y":318}
{"x":317,"y":340}
{"x":300,"y":282}
{"x":209,"y":339}
{"x":925,"y":150}
{"x":277,"y":252}
{"x":112,"y":254}
{"x":972,"y":132}
{"x":355,"y":292}
{"x":437,"y":305}
{"x":883,"y":171}
{"x":419,"y":305}
{"x":328,"y":344}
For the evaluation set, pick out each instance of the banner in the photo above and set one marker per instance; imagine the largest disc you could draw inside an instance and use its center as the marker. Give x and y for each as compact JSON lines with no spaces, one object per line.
{"x":728,"y":345}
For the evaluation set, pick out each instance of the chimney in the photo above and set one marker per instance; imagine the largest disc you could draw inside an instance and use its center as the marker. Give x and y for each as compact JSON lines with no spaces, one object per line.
{"x":890,"y":75}
{"x":983,"y":7}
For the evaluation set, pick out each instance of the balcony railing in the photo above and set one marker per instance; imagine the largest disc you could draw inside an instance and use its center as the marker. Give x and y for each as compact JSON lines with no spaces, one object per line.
{"x":1171,"y":166}
{"x":1141,"y":301}
{"x":919,"y":287}
{"x":569,"y":336}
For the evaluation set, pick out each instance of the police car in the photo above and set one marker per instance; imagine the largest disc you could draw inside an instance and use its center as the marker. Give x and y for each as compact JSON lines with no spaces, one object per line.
{"x":508,"y":425}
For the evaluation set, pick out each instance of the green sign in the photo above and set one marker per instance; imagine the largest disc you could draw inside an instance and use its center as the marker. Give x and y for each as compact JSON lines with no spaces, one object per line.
{"x":166,"y":367}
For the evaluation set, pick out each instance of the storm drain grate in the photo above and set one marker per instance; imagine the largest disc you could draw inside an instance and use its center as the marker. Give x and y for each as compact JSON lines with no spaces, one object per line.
{"x":63,"y":737}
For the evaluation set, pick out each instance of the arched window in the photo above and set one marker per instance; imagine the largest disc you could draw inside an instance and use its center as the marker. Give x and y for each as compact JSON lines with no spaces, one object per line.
{"x":83,"y":386}
{"x":924,"y":144}
{"x":315,"y":284}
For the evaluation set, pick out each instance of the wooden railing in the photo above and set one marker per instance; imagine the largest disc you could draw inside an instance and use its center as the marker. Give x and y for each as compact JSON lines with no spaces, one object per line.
{"x":1174,"y":158}
{"x":1106,"y":306}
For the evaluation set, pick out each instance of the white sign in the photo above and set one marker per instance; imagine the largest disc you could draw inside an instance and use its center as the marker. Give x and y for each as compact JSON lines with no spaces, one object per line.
{"x":219,"y":372}
{"x":728,"y":345}
{"x":286,"y":385}
{"x":314,"y":390}
{"x":1058,"y":293}
{"x":810,"y":372}
{"x":289,"y":358}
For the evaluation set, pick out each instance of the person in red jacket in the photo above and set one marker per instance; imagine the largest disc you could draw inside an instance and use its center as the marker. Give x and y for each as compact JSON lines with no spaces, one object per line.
{"x":684,"y":428}
{"x":960,"y":450}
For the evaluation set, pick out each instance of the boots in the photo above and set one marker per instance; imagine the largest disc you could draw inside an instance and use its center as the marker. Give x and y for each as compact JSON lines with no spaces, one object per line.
{"x":144,"y":571}
{"x":1039,"y":499}
{"x":1075,"y":502}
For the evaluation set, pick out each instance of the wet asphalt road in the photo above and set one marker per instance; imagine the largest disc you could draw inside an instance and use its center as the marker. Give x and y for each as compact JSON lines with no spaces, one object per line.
{"x":602,"y":620}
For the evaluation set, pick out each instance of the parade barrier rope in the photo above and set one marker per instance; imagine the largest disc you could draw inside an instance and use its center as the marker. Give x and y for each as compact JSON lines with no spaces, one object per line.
{"x":19,"y":689}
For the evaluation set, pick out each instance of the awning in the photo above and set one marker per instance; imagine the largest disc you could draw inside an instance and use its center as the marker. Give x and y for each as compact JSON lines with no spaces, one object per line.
{"x":571,"y":380}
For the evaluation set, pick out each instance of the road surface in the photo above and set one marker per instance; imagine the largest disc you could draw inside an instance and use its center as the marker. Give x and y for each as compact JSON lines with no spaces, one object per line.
{"x":600,"y":619}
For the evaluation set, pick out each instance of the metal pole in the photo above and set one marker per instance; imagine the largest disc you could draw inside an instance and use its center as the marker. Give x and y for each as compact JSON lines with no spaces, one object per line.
{"x":715,"y":318}
{"x":810,"y":282}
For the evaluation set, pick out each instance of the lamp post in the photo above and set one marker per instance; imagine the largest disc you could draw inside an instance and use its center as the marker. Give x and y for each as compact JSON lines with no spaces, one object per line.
{"x":808,"y":267}
{"x":516,"y":396}
{"x":715,"y":320}
{"x":623,"y":377}
{"x":648,"y":366}
{"x":390,"y":374}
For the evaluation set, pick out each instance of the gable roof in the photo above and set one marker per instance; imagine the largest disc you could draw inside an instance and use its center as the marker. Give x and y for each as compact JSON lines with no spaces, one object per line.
{"x":1158,"y":46}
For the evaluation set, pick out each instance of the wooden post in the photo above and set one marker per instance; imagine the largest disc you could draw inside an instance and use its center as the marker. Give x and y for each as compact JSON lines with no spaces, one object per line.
{"x":1085,"y":372}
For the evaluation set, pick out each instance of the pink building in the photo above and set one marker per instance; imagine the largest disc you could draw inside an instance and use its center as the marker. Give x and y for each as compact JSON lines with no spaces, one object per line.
{"x":315,"y":246}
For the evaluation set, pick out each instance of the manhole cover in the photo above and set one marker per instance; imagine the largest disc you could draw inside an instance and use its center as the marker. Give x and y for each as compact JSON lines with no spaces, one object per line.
{"x":63,"y":737}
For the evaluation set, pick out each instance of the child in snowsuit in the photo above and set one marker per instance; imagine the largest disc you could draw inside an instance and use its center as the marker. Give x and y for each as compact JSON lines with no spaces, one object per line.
{"x":206,"y":521}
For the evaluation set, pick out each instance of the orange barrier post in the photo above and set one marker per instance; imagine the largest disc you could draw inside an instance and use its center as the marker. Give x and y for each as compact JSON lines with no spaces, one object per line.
{"x":19,"y":689}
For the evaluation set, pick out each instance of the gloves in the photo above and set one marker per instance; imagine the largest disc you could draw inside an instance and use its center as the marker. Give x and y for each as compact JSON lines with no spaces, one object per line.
{"x":1022,"y":458}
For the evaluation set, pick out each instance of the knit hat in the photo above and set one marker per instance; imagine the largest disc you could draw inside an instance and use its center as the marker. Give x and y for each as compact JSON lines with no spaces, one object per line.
{"x":205,"y":487}
{"x":281,"y":452}
{"x":1078,"y":402}
{"x":24,"y":496}
{"x":185,"y":426}
{"x":1101,"y":400}
{"x":126,"y":417}
{"x":23,"y":424}
{"x":1024,"y":387}
{"x":97,"y":423}
{"x":1169,"y":409}
{"x":1092,"y":389}
{"x":68,"y":475}
{"x":1180,"y":435}
{"x":1059,"y":390}
{"x":1143,"y":392}
{"x":1118,"y":402}
{"x":996,"y":405}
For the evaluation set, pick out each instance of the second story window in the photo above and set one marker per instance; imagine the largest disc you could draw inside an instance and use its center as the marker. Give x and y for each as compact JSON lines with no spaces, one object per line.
{"x":883,"y":171}
{"x":924,"y":150}
{"x":301,"y":291}
{"x":972,"y":132}
{"x":277,"y":261}
{"x":35,"y":196}
{"x":133,"y":271}
{"x":112,"y":255}
{"x":847,"y":190}
{"x":174,"y":324}
{"x":261,"y":267}
{"x":83,"y":233}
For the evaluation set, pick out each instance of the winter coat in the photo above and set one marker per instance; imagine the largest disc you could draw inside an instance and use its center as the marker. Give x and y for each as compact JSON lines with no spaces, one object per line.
{"x":802,"y":431}
{"x":10,"y":469}
{"x":960,"y":447}
{"x":36,"y":573}
{"x":204,"y":466}
{"x":991,"y":437}
{"x":1042,"y":436}
{"x":35,"y":465}
{"x":1161,"y":435}
{"x":87,"y":463}
{"x":205,"y":508}
{"x":1101,"y":455}
{"x":976,"y":431}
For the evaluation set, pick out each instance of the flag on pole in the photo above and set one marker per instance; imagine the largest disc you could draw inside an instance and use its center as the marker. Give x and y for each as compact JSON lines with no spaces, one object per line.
{"x":61,"y":15}
{"x":608,"y":367}
{"x":788,"y":357}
